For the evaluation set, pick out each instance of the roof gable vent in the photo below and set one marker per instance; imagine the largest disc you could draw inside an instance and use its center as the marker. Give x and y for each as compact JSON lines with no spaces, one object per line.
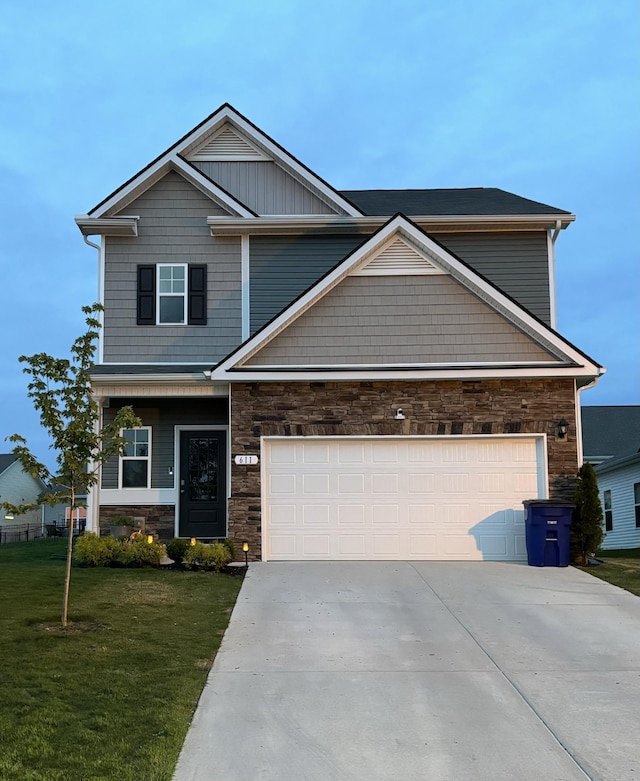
{"x":398,"y":259}
{"x":227,"y":144}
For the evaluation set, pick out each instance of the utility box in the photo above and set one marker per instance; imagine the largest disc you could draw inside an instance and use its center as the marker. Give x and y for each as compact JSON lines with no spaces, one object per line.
{"x":548,"y":526}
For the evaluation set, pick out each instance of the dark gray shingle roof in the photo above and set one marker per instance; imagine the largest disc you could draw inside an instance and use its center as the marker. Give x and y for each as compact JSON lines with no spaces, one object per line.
{"x":611,"y":431}
{"x":6,"y":459}
{"x":467,"y":201}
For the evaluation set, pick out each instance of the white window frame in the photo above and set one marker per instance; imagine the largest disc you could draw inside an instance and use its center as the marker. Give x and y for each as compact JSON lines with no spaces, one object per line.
{"x":607,"y":506}
{"x":184,"y":295}
{"x":146,"y":458}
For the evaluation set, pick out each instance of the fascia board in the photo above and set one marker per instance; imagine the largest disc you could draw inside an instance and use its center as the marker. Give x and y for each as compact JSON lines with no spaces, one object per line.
{"x":417,"y":237}
{"x":221,"y":226}
{"x":210,"y":188}
{"x":135,"y":187}
{"x":263,"y":374}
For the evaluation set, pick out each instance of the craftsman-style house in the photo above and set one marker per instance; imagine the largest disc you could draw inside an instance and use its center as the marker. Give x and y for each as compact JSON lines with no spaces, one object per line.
{"x":330,"y":374}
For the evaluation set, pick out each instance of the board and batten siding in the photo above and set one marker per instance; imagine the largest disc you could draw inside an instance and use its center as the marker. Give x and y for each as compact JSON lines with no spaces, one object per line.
{"x":264,"y":187}
{"x":283,"y":267}
{"x":163,"y":418}
{"x":399,"y":319}
{"x":516,"y":262}
{"x":620,"y":482}
{"x":172,"y":229}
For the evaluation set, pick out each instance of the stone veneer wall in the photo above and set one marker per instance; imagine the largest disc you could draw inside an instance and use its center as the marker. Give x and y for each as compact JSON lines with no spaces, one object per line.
{"x":160,"y":519}
{"x":444,"y":408}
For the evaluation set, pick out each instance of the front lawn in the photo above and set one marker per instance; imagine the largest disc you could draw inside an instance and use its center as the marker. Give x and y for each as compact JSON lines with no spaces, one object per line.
{"x":621,"y":567}
{"x":110,"y":698}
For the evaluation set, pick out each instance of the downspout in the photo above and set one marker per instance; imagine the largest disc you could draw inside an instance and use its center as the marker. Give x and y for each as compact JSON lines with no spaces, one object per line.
{"x":552,"y":235}
{"x":93,"y":521}
{"x":578,"y":405}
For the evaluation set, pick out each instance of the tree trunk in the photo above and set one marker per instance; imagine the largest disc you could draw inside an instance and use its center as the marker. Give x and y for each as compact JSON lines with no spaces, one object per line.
{"x":67,"y":580}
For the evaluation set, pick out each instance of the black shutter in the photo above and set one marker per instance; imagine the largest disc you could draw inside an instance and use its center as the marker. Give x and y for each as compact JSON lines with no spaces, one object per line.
{"x":146,"y":295}
{"x":197,"y":295}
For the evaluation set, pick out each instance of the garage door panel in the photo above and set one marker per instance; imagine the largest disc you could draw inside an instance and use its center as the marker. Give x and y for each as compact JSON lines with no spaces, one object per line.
{"x":400,"y":499}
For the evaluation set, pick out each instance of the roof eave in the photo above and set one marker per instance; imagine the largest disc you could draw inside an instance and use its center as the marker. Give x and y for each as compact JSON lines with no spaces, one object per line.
{"x":107,"y":226}
{"x":225,"y":226}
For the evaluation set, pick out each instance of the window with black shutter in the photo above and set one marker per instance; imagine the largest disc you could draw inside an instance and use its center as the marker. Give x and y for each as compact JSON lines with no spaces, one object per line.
{"x":172,"y":294}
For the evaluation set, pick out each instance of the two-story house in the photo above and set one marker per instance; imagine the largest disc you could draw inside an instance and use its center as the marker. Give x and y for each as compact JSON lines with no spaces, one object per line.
{"x":330,"y":374}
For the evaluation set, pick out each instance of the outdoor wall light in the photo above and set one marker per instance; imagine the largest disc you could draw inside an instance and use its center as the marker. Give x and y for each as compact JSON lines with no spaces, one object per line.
{"x":245,"y":548}
{"x":193,"y":541}
{"x":170,"y":471}
{"x":561,"y":428}
{"x":150,"y":539}
{"x":399,"y":414}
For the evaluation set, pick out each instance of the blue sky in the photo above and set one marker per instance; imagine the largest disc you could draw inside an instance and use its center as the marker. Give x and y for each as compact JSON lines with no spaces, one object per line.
{"x":540,"y":100}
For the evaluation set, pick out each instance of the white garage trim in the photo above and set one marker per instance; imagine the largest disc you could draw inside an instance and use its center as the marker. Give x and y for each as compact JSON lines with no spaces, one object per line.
{"x":453,"y":497}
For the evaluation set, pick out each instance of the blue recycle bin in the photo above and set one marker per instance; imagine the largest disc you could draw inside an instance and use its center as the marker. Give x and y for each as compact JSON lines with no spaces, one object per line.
{"x":548,"y":526}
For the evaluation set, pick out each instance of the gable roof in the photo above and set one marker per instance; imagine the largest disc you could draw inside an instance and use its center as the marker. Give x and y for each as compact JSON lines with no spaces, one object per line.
{"x":610,"y":431}
{"x":193,"y":143}
{"x":568,"y":360}
{"x":6,"y":459}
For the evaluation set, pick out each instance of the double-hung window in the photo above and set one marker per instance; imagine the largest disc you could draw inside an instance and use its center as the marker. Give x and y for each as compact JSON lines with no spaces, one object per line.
{"x":135,"y":462}
{"x":608,"y":512}
{"x":636,"y":502}
{"x":172,"y":294}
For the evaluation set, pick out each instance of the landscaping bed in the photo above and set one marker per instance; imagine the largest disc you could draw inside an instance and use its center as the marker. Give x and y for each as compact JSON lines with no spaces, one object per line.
{"x":112,"y":696}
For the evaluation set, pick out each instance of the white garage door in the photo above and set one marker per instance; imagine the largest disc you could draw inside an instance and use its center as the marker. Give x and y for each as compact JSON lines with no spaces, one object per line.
{"x":409,"y":498}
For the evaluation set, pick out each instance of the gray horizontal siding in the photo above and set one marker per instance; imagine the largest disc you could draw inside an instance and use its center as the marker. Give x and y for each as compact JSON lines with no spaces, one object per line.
{"x":283,"y":267}
{"x":399,"y":319}
{"x":264,"y":187}
{"x":516,"y":262}
{"x":620,"y":483}
{"x":163,"y":417}
{"x":172,"y":229}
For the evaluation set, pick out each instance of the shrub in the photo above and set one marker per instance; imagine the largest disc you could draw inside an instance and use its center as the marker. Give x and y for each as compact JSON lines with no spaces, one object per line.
{"x":140,"y":553}
{"x":586,"y":528}
{"x":176,"y":549}
{"x":211,"y":557}
{"x":230,"y":547}
{"x":93,"y":551}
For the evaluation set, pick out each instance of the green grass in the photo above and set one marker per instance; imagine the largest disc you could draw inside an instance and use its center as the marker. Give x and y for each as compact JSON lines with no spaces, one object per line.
{"x":112,"y":696}
{"x":621,"y":567}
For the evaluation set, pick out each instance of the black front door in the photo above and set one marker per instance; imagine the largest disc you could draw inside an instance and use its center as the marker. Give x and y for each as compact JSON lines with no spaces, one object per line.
{"x":203,"y":500}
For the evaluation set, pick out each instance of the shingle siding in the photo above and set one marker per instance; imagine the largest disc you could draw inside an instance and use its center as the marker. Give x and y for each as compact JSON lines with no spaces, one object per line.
{"x":399,"y":319}
{"x":172,"y":229}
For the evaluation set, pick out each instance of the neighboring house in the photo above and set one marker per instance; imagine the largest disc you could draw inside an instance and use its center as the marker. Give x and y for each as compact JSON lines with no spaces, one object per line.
{"x":18,"y":488}
{"x":611,"y":442}
{"x":329,"y":374}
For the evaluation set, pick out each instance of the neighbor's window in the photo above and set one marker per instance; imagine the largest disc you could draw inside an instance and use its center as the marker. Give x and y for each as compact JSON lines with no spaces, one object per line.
{"x":608,"y":512}
{"x":172,"y":293}
{"x":636,"y":501}
{"x":135,"y":462}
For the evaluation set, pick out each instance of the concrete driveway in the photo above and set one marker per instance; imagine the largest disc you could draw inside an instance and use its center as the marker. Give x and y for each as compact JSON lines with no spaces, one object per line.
{"x":381,"y":671}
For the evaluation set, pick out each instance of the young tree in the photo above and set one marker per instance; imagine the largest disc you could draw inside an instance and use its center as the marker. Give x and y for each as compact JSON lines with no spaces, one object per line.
{"x":586,"y":527}
{"x":61,"y":392}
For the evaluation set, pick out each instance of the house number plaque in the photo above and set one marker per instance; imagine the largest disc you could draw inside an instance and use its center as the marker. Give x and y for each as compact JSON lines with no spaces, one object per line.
{"x":246,"y":459}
